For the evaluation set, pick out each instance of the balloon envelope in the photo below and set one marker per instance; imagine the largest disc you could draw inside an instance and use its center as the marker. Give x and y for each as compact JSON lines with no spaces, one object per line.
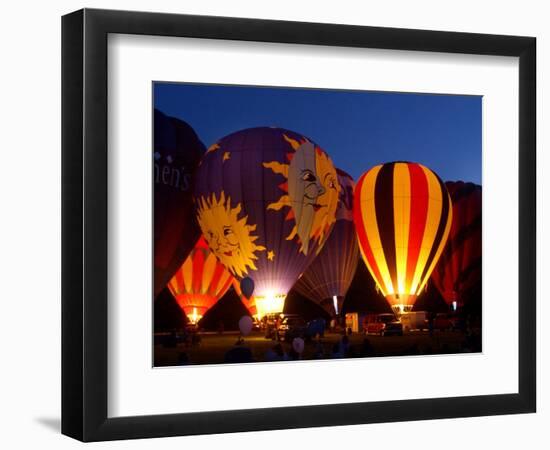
{"x":200,"y":282}
{"x":403,"y":215}
{"x":249,"y":303}
{"x":247,"y":287}
{"x":328,"y":278}
{"x":459,"y":268}
{"x":298,"y":345}
{"x":266,"y":202}
{"x":245,"y":325}
{"x":177,"y":152}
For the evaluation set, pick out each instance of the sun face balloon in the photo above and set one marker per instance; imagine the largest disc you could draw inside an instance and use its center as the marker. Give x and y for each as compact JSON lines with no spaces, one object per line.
{"x":266,"y":202}
{"x":200,"y":282}
{"x":177,"y":152}
{"x":328,"y":278}
{"x":403,"y":215}
{"x":230,"y":238}
{"x":459,"y":267}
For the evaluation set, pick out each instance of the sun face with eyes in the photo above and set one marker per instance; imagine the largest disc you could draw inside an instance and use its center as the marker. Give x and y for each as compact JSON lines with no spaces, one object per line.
{"x":328,"y":199}
{"x":311,"y":192}
{"x":229,"y":237}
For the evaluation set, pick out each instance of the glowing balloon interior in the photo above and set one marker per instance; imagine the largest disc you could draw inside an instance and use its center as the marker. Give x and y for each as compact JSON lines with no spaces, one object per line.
{"x":403,"y":215}
{"x":266,"y":201}
{"x":270,"y":302}
{"x":200,"y":282}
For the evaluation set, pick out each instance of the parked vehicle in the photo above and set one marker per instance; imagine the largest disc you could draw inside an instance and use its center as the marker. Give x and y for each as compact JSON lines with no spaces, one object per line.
{"x":449,"y":322}
{"x":316,"y":327}
{"x":442,"y":322}
{"x":352,"y":322}
{"x":458,"y":322}
{"x":414,"y":321}
{"x":292,"y":326}
{"x":256,"y":325}
{"x":383,"y":325}
{"x":270,"y":323}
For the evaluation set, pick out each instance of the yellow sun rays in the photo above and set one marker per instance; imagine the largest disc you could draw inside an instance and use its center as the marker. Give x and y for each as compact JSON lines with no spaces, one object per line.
{"x":323,"y":223}
{"x":229,"y":237}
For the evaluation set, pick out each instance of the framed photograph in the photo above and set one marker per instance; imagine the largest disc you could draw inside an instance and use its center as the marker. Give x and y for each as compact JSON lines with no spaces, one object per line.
{"x":273,"y":224}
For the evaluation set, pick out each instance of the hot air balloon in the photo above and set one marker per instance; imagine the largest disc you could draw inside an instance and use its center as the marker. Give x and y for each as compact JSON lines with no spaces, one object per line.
{"x":266,"y":202}
{"x":247,"y":287}
{"x":403,"y":215}
{"x":327,"y":279}
{"x":459,"y":267}
{"x":249,"y":303}
{"x":200,"y":282}
{"x":177,"y":152}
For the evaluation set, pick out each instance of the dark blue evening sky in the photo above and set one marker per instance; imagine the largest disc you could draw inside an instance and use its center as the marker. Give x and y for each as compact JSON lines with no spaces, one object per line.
{"x":358,"y":129}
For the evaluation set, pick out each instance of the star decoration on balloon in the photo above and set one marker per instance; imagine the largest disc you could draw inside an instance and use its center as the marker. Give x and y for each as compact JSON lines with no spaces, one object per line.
{"x":213,"y":147}
{"x":226,"y":156}
{"x":270,"y":255}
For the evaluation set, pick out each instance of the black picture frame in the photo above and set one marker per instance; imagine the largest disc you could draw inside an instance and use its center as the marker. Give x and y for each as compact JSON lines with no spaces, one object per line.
{"x":84,"y":224}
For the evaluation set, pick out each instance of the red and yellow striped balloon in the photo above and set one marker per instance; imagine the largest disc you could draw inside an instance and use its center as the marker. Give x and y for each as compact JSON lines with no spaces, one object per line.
{"x":403,"y":215}
{"x":200,"y":282}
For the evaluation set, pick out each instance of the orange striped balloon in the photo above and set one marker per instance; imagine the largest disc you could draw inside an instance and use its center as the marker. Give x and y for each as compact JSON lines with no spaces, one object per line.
{"x":200,"y":282}
{"x":403,"y":215}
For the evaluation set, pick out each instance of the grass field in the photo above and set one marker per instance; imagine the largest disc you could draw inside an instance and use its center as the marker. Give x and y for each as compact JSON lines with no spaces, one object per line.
{"x":213,"y":347}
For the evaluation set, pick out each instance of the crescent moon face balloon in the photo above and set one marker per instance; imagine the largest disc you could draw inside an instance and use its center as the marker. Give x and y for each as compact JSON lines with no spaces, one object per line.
{"x":459,"y":268}
{"x":403,"y":215}
{"x":177,"y":152}
{"x":327,"y":280}
{"x":200,"y":282}
{"x":266,"y":201}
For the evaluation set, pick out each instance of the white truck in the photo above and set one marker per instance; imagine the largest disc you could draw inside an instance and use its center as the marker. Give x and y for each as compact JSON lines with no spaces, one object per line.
{"x":414,"y":321}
